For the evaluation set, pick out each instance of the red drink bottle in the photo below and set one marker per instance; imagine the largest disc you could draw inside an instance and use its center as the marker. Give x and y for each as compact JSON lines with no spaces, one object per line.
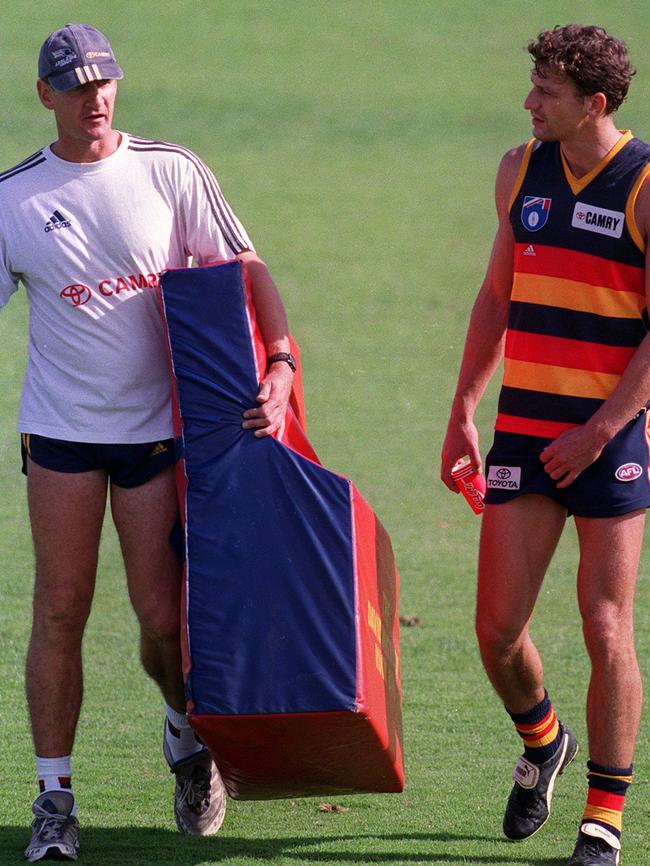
{"x":470,"y":483}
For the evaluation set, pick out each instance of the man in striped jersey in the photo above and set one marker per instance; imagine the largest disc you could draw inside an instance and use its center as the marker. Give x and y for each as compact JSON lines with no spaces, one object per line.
{"x":564,"y":302}
{"x":87,"y":224}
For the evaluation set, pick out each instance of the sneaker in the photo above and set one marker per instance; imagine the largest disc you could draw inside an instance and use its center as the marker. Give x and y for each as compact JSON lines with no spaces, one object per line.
{"x":55,"y":831}
{"x":200,"y":795}
{"x":596,"y":846}
{"x":529,"y":804}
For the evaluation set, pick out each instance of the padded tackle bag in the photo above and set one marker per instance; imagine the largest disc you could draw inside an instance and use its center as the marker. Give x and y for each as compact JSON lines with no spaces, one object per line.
{"x":290,"y":626}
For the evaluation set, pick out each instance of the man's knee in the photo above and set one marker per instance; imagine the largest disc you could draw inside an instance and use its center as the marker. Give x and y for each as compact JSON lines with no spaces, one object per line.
{"x":496,"y":638}
{"x":608,"y":631}
{"x":61,"y":612}
{"x":159,"y":622}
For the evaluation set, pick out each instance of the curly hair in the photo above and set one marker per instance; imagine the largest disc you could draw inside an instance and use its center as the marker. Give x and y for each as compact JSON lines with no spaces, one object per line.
{"x":595,"y":61}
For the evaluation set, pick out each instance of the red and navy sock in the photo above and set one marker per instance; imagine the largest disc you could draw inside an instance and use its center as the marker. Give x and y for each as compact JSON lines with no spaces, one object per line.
{"x":540,"y":731}
{"x":54,"y":774}
{"x":181,"y":740}
{"x":606,"y":797}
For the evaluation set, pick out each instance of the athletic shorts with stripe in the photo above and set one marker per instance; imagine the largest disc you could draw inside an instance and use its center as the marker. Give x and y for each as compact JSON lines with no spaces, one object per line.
{"x":616,"y":483}
{"x":126,"y":465}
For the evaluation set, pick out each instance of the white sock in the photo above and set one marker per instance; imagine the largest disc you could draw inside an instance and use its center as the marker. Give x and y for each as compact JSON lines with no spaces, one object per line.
{"x":55,"y":774}
{"x":181,"y":739}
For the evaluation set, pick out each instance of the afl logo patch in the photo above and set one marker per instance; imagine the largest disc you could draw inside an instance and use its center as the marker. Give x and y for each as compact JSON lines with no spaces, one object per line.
{"x":534,"y":212}
{"x":77,"y":294}
{"x":628,"y":472}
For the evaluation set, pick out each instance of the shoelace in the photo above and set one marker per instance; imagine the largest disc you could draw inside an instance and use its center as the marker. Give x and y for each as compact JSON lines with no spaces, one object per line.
{"x":51,"y":827}
{"x":195,"y":789}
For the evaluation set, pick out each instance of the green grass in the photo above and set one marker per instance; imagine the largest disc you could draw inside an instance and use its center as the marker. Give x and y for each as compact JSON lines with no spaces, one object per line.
{"x":358,"y":143}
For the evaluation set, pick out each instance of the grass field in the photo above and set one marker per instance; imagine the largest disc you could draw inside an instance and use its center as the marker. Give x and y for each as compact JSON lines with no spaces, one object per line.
{"x":357,"y":140}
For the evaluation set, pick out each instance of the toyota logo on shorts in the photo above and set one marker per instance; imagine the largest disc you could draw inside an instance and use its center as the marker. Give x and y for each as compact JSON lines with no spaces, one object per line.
{"x":503,"y":473}
{"x":77,"y":294}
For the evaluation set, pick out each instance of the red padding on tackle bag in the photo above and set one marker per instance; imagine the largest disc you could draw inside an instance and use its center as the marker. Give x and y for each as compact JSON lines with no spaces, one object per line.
{"x":290,"y":630}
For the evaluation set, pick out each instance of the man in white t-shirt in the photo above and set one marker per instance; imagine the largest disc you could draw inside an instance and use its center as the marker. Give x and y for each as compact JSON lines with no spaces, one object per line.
{"x":87,"y":225}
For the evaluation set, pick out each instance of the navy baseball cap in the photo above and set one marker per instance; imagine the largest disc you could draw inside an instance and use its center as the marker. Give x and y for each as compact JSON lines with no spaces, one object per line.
{"x":77,"y":54}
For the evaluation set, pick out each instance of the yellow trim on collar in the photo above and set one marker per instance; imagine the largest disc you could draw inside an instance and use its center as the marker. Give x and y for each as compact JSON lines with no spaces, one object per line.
{"x":577,"y":184}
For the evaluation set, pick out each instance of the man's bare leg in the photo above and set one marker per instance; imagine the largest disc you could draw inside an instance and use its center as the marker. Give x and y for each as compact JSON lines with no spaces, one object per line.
{"x":144,"y":517}
{"x":609,"y":560}
{"x":66,"y":513}
{"x":518,"y":540}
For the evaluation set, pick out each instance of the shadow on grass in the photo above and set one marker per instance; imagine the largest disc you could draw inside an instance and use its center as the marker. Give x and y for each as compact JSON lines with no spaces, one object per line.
{"x":137,"y":846}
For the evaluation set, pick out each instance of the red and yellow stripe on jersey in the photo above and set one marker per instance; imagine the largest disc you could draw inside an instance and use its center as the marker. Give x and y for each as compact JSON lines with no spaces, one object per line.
{"x":578,"y":306}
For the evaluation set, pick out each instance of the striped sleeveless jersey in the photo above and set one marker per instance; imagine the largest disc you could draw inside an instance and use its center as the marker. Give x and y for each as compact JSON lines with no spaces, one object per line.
{"x":577,"y":308}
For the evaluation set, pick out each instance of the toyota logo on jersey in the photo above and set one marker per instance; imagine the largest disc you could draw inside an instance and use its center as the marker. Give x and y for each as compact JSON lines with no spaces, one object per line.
{"x":77,"y":294}
{"x":534,"y":212}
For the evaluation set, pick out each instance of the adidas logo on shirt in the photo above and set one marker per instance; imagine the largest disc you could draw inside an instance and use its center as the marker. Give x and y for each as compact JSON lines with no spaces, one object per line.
{"x":530,"y":250}
{"x":57,"y":221}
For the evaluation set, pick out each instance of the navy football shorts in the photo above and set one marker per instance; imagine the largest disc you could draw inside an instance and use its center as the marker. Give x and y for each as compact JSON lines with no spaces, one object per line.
{"x":126,"y":465}
{"x":617,"y":483}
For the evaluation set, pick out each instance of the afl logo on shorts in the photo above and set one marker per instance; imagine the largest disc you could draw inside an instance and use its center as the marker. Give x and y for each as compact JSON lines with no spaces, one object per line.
{"x":534,"y":212}
{"x":77,"y":294}
{"x":628,"y":472}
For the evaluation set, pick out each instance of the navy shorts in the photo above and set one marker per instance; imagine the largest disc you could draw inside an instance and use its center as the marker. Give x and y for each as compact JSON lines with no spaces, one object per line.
{"x":617,"y":483}
{"x":126,"y":465}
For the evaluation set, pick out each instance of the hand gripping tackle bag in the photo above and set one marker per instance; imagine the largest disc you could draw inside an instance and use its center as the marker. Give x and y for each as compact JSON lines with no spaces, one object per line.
{"x":290,"y":626}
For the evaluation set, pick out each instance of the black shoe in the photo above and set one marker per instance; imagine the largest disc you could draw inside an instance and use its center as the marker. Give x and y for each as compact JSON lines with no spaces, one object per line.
{"x":529,"y":804}
{"x":593,"y":848}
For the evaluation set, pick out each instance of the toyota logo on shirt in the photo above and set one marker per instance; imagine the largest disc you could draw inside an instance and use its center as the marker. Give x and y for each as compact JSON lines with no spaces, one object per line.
{"x":77,"y":294}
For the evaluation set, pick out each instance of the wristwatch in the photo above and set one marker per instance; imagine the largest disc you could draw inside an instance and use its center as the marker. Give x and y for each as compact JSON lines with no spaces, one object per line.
{"x":282,"y":356}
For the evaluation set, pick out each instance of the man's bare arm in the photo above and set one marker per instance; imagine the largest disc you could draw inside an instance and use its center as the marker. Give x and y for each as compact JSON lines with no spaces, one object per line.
{"x":486,"y":332}
{"x":275,"y":387}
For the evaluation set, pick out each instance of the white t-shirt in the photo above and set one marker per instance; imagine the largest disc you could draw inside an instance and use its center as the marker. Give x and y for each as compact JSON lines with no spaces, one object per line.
{"x":88,"y":241}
